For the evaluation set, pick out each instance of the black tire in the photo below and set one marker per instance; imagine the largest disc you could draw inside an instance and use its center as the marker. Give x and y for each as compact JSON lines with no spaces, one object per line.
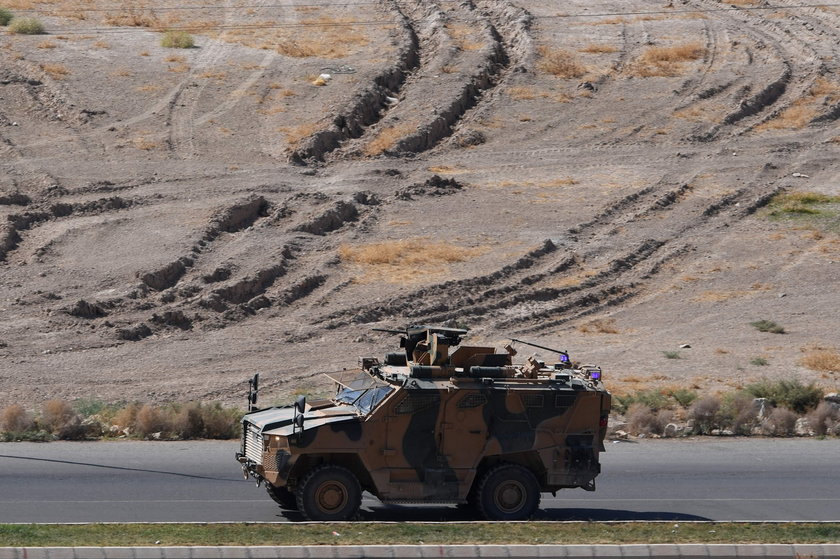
{"x":282,"y":496}
{"x":508,"y":492}
{"x":329,"y":493}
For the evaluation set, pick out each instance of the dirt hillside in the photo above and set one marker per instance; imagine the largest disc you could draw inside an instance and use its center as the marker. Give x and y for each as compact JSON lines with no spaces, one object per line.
{"x":595,"y":177}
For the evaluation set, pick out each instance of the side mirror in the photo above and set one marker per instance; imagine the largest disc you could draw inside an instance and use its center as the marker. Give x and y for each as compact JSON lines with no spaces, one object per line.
{"x":300,"y":408}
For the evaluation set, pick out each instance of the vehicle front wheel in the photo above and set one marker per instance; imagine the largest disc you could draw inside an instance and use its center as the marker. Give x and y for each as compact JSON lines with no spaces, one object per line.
{"x":282,"y":496}
{"x":508,"y":492}
{"x":329,"y":493}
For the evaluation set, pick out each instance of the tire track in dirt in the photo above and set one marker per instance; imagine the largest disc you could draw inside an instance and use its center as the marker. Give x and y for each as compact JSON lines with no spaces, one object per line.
{"x":530,"y":293}
{"x":798,"y":62}
{"x":370,"y":103}
{"x":214,"y":277}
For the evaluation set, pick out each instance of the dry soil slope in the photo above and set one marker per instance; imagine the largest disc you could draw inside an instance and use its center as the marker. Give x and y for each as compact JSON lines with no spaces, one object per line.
{"x":603,"y":163}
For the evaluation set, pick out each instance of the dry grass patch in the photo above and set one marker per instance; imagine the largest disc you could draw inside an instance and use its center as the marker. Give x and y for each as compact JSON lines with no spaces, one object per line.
{"x":133,"y":17}
{"x":806,"y":108}
{"x":407,"y":261}
{"x":665,"y":61}
{"x":561,"y":63}
{"x":296,"y":134}
{"x":599,"y":326}
{"x":324,"y":36}
{"x":55,"y":71}
{"x":145,"y":144}
{"x":121,"y":73}
{"x":46,"y":45}
{"x":213,"y":75}
{"x":150,"y":88}
{"x":823,"y":360}
{"x":598,"y":49}
{"x":464,"y":36}
{"x":388,"y":138}
{"x":102,"y":45}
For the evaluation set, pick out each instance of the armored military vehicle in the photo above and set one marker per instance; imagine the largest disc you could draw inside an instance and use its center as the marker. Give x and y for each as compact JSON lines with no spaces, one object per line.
{"x":437,"y":422}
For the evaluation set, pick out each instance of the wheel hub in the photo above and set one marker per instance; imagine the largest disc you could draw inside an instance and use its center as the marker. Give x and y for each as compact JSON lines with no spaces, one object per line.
{"x":511,"y":496}
{"x":331,"y":496}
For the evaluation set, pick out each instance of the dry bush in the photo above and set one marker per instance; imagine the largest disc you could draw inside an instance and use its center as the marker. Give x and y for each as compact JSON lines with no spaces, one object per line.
{"x":598,"y":49}
{"x":823,"y":419}
{"x":195,"y":421}
{"x":824,"y":360}
{"x":665,"y":61}
{"x":149,"y":420}
{"x":599,"y":326}
{"x":738,"y":413}
{"x":55,"y":71}
{"x":126,"y":417}
{"x":16,"y":420}
{"x":780,"y":423}
{"x":642,"y":420}
{"x":388,"y":138}
{"x":133,"y":18}
{"x":60,"y":419}
{"x":704,"y":413}
{"x":560,"y":63}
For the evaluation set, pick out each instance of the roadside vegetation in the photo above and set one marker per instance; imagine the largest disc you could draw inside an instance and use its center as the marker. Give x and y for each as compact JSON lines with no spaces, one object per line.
{"x":94,"y":419}
{"x":413,"y":533}
{"x":776,"y":408}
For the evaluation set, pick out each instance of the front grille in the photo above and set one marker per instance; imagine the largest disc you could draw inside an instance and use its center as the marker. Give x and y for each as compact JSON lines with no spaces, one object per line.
{"x":253,"y":443}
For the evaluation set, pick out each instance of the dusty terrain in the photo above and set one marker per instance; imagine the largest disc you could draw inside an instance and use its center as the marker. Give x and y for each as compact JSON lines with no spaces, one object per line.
{"x":587,"y":176}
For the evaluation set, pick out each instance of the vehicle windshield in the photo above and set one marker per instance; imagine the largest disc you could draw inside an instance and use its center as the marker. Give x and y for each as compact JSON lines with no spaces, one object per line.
{"x":364,"y":393}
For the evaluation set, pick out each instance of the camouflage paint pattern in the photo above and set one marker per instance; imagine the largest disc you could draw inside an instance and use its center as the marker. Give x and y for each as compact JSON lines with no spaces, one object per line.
{"x":438,"y":421}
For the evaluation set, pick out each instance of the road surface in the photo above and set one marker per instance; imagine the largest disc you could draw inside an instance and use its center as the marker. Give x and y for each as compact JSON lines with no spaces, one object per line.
{"x":680,"y":480}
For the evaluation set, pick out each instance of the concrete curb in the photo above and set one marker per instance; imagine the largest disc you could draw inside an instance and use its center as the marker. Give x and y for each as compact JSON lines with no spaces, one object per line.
{"x":682,"y":551}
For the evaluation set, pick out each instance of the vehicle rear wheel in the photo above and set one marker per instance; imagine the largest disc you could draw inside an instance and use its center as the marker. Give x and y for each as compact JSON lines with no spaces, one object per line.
{"x":282,"y":496}
{"x":329,"y":493}
{"x":508,"y":492}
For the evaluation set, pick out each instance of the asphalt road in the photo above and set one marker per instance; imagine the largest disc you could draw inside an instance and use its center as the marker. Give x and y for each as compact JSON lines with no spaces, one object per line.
{"x":712,"y":479}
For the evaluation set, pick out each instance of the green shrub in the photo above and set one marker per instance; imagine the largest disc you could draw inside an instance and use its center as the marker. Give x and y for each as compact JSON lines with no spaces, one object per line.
{"x":653,"y":399}
{"x":177,"y":40}
{"x":683,"y":396}
{"x":26,"y":26}
{"x":672,"y":354}
{"x":759,"y":361}
{"x":767,"y":326}
{"x":5,"y":16}
{"x":788,"y":393}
